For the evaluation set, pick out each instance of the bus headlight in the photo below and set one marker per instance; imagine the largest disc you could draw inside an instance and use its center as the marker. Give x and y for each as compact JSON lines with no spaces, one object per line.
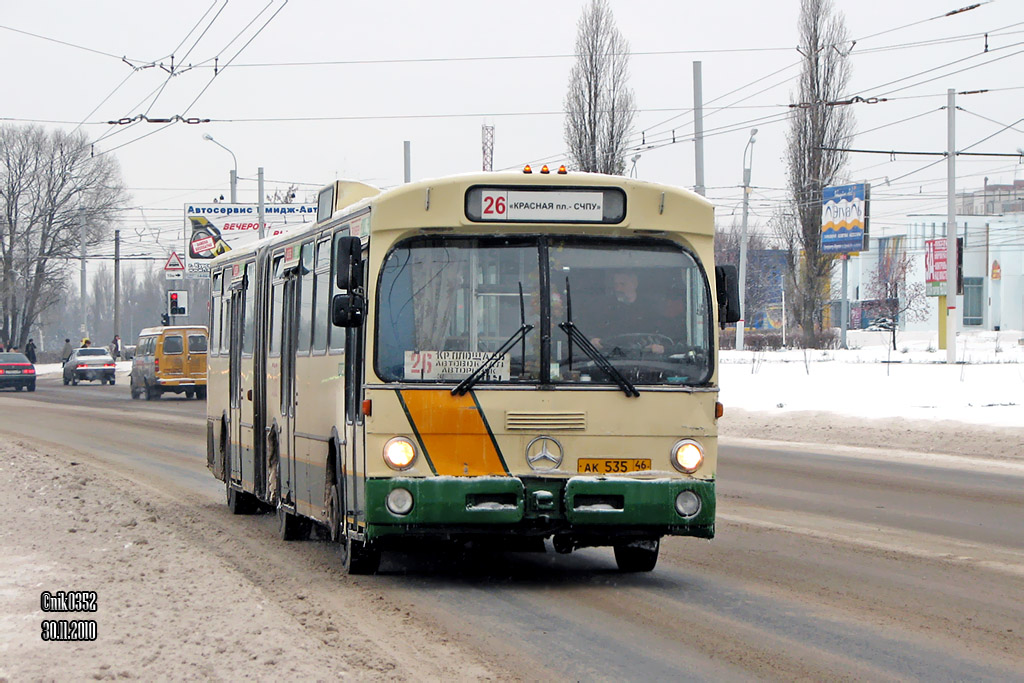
{"x":399,"y":501}
{"x":687,"y":503}
{"x":399,"y":453}
{"x":687,"y":455}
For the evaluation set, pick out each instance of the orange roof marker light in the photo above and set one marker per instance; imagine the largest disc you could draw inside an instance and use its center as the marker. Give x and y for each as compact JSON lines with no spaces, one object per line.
{"x":544,"y":169}
{"x":527,"y":169}
{"x":561,"y":170}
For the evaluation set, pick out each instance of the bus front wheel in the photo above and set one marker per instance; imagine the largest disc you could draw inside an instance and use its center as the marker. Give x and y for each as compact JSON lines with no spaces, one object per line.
{"x":637,"y":556}
{"x":357,"y":558}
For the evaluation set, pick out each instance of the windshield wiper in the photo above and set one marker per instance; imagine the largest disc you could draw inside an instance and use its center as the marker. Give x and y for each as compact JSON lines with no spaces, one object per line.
{"x":574,"y":334}
{"x":524,"y":329}
{"x":599,"y":358}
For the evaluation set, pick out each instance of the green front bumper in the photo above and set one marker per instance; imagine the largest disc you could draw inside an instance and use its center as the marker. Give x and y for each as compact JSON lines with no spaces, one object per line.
{"x":510,"y":504}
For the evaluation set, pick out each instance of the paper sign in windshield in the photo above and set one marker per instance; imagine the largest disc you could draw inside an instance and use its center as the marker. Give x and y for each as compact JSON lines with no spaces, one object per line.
{"x":452,"y":365}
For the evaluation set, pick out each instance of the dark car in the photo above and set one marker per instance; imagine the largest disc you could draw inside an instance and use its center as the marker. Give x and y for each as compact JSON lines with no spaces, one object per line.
{"x":16,"y":371}
{"x":89,"y":363}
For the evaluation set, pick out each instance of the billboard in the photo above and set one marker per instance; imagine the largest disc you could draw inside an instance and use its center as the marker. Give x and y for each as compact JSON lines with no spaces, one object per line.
{"x":844,"y":218}
{"x":936,"y":266}
{"x":213,"y":229}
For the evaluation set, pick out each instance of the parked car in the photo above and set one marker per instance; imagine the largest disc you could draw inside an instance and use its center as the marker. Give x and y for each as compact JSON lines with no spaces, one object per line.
{"x":89,"y":363}
{"x":16,"y":371}
{"x":170,"y":359}
{"x":884,"y":324}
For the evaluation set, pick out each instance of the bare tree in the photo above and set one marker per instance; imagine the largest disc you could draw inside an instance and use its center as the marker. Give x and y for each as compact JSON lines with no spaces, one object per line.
{"x":286,"y":196}
{"x":599,"y":106}
{"x":896,"y":296}
{"x":817,"y":124}
{"x":50,"y":186}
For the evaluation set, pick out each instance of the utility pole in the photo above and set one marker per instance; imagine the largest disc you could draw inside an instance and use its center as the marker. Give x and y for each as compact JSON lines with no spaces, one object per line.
{"x":234,"y":186}
{"x":951,"y":245}
{"x":487,"y":135}
{"x":844,"y":314}
{"x":408,"y":161}
{"x":85,"y":307}
{"x":698,"y":130}
{"x":742,"y":322}
{"x":260,"y":205}
{"x":117,"y":283}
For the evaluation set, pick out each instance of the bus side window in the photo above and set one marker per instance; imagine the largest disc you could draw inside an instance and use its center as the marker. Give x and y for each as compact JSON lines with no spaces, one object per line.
{"x":321,"y":300}
{"x":249,"y":309}
{"x":276,"y":301}
{"x":225,"y":325}
{"x":337,"y":334}
{"x":215,"y":294}
{"x":306,"y":298}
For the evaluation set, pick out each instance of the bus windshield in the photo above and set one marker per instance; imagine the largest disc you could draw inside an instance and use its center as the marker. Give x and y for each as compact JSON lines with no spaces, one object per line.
{"x":446,"y":304}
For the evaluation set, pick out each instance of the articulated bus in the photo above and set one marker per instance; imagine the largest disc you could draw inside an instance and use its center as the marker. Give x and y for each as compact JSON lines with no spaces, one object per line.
{"x":490,"y":359}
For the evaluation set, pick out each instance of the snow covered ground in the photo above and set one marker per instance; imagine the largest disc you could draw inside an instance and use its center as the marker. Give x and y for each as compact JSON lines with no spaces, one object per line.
{"x":870,"y":380}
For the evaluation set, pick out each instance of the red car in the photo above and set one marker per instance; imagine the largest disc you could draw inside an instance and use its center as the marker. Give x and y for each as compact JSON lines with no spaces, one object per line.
{"x":16,"y":371}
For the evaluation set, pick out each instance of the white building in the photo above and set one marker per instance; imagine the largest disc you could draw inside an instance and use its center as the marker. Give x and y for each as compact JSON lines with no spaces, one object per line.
{"x":993,"y":269}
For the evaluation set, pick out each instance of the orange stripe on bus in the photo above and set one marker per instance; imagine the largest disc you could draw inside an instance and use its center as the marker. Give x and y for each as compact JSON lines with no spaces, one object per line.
{"x":453,"y":433}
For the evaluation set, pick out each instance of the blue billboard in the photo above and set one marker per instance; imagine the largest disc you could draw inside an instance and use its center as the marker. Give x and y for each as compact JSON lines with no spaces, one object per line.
{"x":844,"y":218}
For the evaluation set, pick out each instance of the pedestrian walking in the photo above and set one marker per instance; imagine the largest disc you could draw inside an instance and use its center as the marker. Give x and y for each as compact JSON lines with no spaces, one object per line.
{"x":30,"y":351}
{"x":115,"y":347}
{"x":65,"y":353}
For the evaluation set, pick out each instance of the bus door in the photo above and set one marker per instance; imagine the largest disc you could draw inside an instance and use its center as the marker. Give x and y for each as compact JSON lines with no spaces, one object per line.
{"x":354,"y":450}
{"x":289,"y":342}
{"x":246,"y":382}
{"x":235,"y":315}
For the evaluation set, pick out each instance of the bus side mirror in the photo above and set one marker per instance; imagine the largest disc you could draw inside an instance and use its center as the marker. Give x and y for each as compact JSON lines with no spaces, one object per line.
{"x":727,"y":285}
{"x":348,"y":263}
{"x":347,"y":310}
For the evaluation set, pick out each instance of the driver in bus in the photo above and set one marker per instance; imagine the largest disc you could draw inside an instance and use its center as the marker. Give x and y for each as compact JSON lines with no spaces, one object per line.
{"x":628,"y":314}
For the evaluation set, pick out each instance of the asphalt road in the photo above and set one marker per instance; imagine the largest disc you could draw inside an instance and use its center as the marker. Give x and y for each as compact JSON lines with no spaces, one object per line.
{"x":827,"y":564}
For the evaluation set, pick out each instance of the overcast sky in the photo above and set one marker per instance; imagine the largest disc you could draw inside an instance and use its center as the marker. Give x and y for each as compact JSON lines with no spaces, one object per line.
{"x":330,"y":89}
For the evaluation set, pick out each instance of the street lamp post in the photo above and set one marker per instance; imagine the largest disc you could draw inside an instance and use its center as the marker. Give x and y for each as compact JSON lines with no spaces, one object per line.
{"x":234,"y":171}
{"x":741,"y":324}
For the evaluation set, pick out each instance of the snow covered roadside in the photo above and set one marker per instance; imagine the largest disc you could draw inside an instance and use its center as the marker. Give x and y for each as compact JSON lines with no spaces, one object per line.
{"x":164,"y":610}
{"x":873,"y":397}
{"x":170,"y":605}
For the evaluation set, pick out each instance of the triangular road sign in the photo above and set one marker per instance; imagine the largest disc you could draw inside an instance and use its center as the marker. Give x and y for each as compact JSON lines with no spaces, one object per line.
{"x":174,"y":262}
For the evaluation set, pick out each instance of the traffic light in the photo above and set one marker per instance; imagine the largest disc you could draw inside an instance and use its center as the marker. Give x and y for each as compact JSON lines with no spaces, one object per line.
{"x":177,"y":303}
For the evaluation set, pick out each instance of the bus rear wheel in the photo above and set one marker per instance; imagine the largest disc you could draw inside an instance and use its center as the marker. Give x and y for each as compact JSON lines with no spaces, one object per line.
{"x":637,"y":556}
{"x":240,"y":502}
{"x":291,"y":527}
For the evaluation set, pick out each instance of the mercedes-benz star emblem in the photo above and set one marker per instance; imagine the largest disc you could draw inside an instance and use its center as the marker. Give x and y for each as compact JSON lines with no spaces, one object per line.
{"x":544,"y":453}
